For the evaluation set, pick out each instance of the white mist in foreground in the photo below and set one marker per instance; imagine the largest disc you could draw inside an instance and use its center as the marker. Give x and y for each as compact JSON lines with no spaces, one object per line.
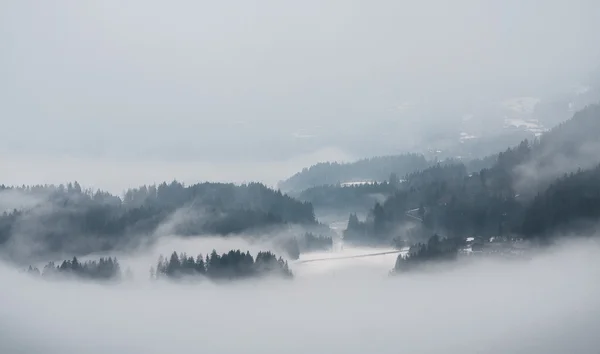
{"x":337,"y":263}
{"x":548,"y":305}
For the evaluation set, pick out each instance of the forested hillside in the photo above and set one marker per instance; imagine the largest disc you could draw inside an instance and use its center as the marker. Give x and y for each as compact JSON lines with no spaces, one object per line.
{"x":358,"y":197}
{"x":515,"y":197}
{"x":570,"y":205}
{"x":376,"y":169}
{"x":345,"y":196}
{"x":69,"y":220}
{"x":570,"y":146}
{"x":341,"y":198}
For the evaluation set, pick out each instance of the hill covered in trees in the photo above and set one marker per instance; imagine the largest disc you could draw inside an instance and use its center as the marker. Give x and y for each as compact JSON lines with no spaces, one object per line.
{"x":374,"y":169}
{"x":69,"y":220}
{"x":355,"y":197}
{"x":568,"y":147}
{"x":348,"y":197}
{"x":571,"y":204}
{"x":519,"y":195}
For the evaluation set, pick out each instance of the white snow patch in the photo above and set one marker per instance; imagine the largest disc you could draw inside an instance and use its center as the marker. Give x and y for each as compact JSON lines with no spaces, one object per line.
{"x":466,"y":136}
{"x":521,"y":105}
{"x":356,"y":183}
{"x":532,"y":125}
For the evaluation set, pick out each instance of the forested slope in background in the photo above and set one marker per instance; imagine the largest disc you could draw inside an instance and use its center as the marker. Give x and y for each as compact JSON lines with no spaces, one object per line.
{"x":334,"y":186}
{"x":372,"y":169}
{"x":359,"y":197}
{"x":519,"y":196}
{"x":328,"y":185}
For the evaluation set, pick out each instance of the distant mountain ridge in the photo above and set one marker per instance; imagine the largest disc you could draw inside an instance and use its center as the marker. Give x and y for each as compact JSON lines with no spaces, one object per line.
{"x":375,"y":169}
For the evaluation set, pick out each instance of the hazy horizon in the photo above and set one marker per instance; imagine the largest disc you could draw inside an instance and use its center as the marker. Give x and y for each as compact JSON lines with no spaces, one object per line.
{"x":152,"y":91}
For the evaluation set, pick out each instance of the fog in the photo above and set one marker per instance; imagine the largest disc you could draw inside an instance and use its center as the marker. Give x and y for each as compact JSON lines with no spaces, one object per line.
{"x":117,"y":94}
{"x":555,"y":164}
{"x":15,"y":199}
{"x":546,"y":305}
{"x":194,"y":89}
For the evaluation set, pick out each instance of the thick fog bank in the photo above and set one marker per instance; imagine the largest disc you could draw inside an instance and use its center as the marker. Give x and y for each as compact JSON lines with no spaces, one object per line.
{"x":547,"y":305}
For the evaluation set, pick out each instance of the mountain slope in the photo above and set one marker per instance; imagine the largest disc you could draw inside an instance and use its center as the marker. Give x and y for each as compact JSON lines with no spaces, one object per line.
{"x":372,"y":169}
{"x":75,"y":222}
{"x":497,"y":201}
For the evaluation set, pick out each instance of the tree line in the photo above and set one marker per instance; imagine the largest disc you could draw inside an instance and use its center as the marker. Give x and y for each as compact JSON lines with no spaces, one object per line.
{"x":105,"y":268}
{"x":232,"y":265}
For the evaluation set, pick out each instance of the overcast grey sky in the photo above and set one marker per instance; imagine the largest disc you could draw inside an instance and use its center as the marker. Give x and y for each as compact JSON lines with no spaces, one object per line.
{"x":203,"y":90}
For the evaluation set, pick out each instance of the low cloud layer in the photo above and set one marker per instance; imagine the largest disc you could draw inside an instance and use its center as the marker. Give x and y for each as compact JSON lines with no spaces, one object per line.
{"x":547,"y":305}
